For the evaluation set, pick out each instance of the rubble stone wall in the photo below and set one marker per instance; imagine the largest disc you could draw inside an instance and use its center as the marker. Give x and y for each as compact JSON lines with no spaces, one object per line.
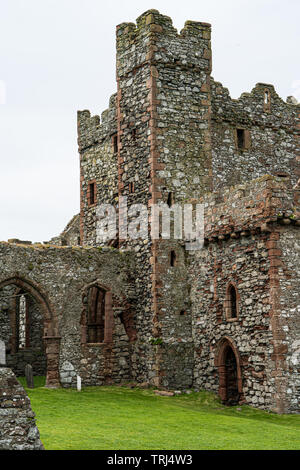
{"x":271,"y":141}
{"x":18,"y":430}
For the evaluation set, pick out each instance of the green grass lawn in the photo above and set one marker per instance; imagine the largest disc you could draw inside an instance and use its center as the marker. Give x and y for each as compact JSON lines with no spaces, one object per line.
{"x":115,"y":418}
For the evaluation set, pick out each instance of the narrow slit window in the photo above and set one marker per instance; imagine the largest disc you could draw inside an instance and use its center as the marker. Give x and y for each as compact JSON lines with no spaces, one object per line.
{"x":92,"y":193}
{"x":172,"y":258}
{"x":267,"y":100}
{"x":115,"y":143}
{"x":131,"y":187}
{"x":233,"y":300}
{"x":240,"y":134}
{"x":267,"y":97}
{"x":170,"y":200}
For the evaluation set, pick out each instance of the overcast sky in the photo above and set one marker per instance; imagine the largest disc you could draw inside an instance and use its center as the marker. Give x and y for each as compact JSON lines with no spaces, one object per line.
{"x":58,"y":56}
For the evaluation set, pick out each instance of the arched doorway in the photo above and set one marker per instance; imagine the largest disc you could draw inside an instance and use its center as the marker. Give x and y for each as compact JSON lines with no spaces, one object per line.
{"x":29,"y":329}
{"x":230,"y":377}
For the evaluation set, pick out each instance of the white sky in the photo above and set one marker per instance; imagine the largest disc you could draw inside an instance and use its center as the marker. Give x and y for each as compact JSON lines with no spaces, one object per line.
{"x":58,"y":56}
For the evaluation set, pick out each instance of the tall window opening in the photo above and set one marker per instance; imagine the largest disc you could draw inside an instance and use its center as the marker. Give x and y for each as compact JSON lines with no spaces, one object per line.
{"x":115,"y":143}
{"x":231,"y":303}
{"x":96,"y":315}
{"x":233,"y":306}
{"x":170,"y":200}
{"x":91,"y":194}
{"x":172,"y":258}
{"x":267,"y":100}
{"x":22,"y":322}
{"x":240,"y":133}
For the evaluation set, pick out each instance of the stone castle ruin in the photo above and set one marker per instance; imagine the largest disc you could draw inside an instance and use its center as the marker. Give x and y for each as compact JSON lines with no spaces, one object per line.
{"x":223,"y":318}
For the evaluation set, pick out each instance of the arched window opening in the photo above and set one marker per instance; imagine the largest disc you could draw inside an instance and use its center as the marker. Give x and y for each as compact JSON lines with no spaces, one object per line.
{"x":96,"y":315}
{"x":267,"y":100}
{"x":28,"y":327}
{"x":231,"y":302}
{"x":267,"y":97}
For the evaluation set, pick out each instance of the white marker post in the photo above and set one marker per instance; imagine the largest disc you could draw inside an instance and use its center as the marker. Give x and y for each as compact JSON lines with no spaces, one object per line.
{"x":78,"y":383}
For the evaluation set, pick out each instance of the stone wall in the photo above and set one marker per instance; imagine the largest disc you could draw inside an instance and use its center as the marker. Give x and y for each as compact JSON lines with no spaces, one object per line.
{"x":289,"y":273}
{"x":18,"y":430}
{"x":56,"y":277}
{"x":32,"y":351}
{"x":272,"y":136}
{"x":98,"y":165}
{"x":70,"y":236}
{"x":248,"y":241}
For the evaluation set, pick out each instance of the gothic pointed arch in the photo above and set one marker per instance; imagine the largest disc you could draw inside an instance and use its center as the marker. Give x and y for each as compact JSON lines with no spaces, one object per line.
{"x":97,"y":315}
{"x":50,"y":330}
{"x":228,"y":362}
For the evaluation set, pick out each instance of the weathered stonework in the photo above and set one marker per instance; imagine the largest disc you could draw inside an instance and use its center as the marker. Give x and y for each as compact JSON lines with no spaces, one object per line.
{"x":18,"y":430}
{"x":224,"y":318}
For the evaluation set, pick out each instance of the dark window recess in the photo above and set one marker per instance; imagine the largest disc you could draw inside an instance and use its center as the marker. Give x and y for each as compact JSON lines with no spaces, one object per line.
{"x":170,"y":200}
{"x":182,"y":312}
{"x":240,"y":134}
{"x":233,"y":306}
{"x":172,"y":258}
{"x":92,"y":193}
{"x":133,"y":134}
{"x":115,"y":143}
{"x":131,"y":187}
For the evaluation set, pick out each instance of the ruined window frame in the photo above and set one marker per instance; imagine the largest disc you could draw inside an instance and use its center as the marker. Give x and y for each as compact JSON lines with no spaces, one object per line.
{"x":108,"y":316}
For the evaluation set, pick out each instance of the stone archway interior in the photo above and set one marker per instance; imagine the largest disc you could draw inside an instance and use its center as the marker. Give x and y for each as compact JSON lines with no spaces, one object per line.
{"x":22,"y":330}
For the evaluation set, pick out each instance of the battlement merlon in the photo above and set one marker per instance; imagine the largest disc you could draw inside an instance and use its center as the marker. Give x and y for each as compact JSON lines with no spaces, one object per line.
{"x":92,"y":130}
{"x":153,"y":39}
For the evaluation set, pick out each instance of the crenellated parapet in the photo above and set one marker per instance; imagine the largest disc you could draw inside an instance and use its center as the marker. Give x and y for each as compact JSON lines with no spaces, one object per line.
{"x":262,"y":107}
{"x":92,"y":130}
{"x":250,"y":208}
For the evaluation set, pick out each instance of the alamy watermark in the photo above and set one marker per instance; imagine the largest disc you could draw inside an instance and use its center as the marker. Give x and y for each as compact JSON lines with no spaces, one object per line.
{"x":179,"y":222}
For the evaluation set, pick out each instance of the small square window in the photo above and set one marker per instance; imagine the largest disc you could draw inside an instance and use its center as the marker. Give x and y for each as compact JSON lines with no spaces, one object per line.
{"x":242,"y":139}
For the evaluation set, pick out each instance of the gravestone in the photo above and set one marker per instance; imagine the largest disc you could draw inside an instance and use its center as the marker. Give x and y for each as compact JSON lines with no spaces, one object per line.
{"x":29,"y":376}
{"x":2,"y":353}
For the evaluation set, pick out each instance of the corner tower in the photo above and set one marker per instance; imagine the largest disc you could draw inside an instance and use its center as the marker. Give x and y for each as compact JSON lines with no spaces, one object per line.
{"x":164,"y":154}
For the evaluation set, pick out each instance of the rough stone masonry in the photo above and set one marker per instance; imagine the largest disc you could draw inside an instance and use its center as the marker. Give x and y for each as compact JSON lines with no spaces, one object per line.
{"x":224,"y":318}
